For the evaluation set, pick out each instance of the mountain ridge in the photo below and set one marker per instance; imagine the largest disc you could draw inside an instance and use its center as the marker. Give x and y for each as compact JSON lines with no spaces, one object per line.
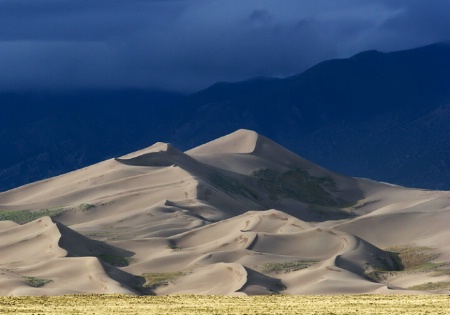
{"x":374,"y":115}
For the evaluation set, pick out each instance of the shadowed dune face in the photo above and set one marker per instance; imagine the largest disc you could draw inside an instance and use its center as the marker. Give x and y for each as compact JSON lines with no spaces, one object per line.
{"x":239,"y":215}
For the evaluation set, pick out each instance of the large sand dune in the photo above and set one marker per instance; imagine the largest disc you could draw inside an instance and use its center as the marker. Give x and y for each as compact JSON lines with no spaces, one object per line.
{"x":47,"y":258}
{"x":239,"y":215}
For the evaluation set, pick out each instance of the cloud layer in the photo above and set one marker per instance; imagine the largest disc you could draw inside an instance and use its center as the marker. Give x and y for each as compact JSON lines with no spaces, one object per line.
{"x":187,"y":45}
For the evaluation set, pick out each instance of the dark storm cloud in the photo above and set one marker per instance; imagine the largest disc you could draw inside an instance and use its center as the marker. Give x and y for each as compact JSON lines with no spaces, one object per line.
{"x":187,"y":45}
{"x":416,"y":23}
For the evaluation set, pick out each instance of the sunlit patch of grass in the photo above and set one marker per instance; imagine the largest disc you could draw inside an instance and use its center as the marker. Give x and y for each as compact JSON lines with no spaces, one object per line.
{"x":416,"y":258}
{"x":156,"y":279}
{"x":285,"y":267}
{"x":25,"y":216}
{"x":36,"y":282}
{"x":410,"y":259}
{"x":86,"y":206}
{"x":431,"y":286}
{"x":359,"y":204}
{"x":442,"y":272}
{"x":173,"y":246}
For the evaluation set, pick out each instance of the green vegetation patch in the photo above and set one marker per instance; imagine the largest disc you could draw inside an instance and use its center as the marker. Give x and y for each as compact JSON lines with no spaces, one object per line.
{"x":431,"y":286}
{"x":232,"y":186}
{"x":378,"y":275}
{"x":297,"y":184}
{"x":86,"y":206}
{"x":416,"y":258}
{"x":117,"y":261}
{"x":286,"y":267}
{"x":156,"y":279}
{"x":36,"y":282}
{"x":173,"y":246}
{"x":360,"y":204}
{"x":25,"y":216}
{"x":442,"y":272}
{"x":410,"y":259}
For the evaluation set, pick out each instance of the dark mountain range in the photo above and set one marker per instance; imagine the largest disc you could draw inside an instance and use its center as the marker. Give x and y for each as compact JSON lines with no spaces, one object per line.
{"x":385,"y":116}
{"x":379,"y":115}
{"x":49,"y":133}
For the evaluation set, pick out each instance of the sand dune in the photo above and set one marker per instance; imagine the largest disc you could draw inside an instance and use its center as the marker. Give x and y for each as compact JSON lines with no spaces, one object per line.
{"x":220,"y":278}
{"x":239,"y":215}
{"x":46,"y":258}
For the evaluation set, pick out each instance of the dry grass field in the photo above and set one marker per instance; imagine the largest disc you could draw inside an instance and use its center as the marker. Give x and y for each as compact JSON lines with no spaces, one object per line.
{"x":191,"y":304}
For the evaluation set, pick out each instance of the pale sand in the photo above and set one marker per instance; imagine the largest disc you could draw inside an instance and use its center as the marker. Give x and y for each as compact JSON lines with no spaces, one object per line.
{"x":203,"y":216}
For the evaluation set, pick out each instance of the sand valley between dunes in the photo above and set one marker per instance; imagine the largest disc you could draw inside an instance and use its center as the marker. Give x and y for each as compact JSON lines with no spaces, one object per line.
{"x":237,"y":216}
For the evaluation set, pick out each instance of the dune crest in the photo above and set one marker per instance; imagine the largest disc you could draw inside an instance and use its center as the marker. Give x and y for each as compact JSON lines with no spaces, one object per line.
{"x":158,"y":155}
{"x":240,"y":141}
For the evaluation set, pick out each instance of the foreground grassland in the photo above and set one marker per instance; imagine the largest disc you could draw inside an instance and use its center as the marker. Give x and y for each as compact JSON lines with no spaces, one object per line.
{"x":189,"y":304}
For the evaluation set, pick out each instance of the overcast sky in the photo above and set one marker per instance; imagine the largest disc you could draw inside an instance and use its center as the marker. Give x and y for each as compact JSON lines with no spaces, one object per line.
{"x":187,"y":45}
